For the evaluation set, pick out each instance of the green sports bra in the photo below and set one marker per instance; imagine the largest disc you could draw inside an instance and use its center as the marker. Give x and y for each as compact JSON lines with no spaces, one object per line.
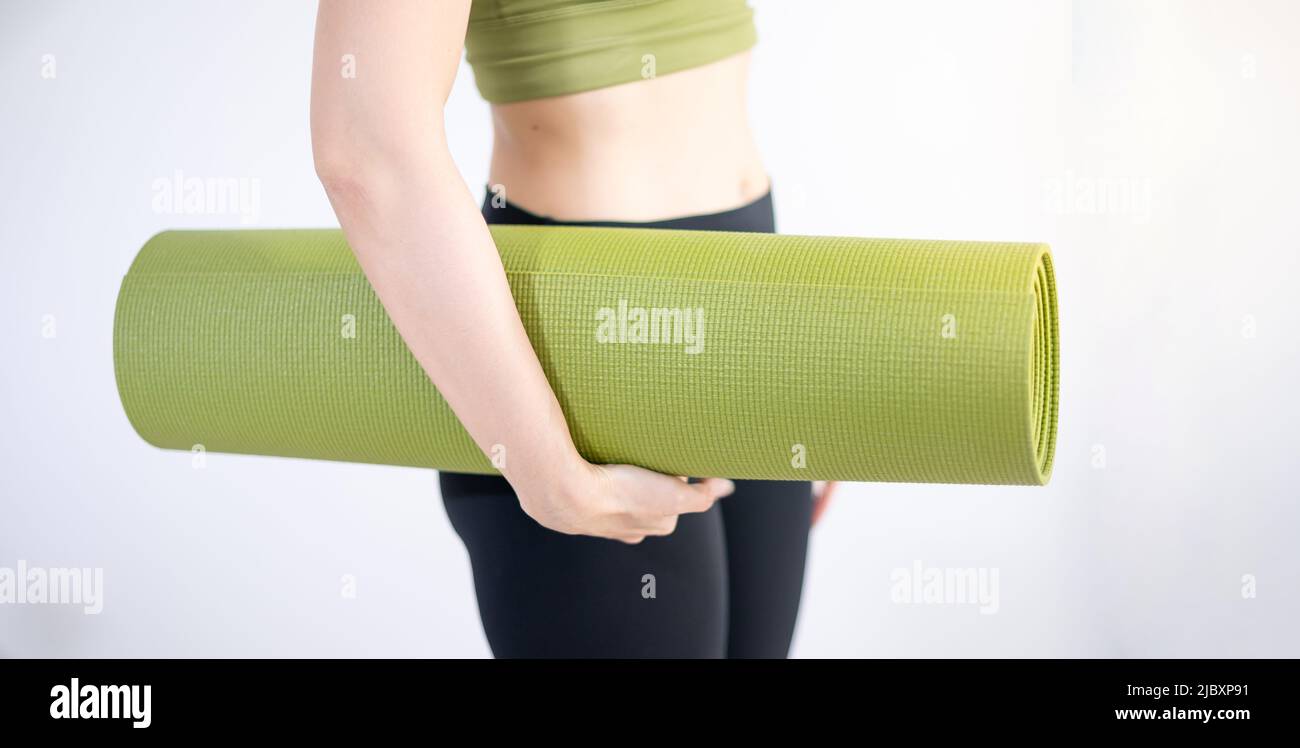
{"x":529,"y":49}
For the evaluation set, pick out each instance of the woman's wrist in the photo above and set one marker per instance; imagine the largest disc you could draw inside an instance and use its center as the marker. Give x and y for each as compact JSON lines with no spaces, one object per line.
{"x":548,"y":475}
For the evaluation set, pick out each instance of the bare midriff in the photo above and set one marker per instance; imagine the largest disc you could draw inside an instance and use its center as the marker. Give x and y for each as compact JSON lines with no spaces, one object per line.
{"x":666,"y":147}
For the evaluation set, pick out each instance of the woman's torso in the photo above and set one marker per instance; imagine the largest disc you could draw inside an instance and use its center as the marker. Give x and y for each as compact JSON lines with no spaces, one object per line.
{"x":662,"y":146}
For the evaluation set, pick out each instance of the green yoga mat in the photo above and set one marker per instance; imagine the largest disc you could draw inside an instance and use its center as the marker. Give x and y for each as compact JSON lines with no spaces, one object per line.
{"x":691,"y":353}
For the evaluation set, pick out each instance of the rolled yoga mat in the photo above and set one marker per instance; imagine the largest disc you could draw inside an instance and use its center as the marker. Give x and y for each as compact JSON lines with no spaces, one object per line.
{"x":691,"y":353}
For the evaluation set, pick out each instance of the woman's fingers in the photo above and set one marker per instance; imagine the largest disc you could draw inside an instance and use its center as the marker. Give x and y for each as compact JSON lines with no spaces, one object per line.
{"x":719,"y":487}
{"x":700,"y":497}
{"x":643,"y":503}
{"x":664,"y":527}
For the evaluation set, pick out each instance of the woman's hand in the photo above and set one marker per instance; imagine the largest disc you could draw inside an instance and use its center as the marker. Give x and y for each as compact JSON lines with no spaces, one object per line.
{"x":822,"y":492}
{"x":620,"y":502}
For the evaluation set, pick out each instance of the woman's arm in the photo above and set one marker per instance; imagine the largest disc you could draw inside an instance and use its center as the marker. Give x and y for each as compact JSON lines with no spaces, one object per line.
{"x":380,"y":150}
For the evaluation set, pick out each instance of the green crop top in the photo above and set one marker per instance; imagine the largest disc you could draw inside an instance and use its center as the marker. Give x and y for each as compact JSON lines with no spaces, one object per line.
{"x":529,"y":49}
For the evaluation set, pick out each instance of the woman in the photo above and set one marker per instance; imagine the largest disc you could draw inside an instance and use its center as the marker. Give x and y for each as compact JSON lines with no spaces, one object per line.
{"x":611,"y":112}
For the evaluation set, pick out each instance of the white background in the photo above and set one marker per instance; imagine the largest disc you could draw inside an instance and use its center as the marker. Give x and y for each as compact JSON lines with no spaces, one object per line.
{"x":927,"y":119}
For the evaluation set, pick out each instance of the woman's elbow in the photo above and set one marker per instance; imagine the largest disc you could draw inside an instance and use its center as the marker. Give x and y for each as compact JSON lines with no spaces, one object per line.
{"x":354,"y":177}
{"x":334,"y":157}
{"x":350,"y":167}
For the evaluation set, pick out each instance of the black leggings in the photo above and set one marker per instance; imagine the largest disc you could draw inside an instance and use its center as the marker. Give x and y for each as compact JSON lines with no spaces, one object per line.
{"x":726,"y":583}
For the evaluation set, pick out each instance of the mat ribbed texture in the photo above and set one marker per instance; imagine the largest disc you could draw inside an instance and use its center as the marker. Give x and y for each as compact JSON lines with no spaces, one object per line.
{"x":820,"y":357}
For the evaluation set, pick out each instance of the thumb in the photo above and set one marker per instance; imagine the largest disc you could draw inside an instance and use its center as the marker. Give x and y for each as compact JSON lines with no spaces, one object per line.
{"x":717,"y":487}
{"x":699,"y":497}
